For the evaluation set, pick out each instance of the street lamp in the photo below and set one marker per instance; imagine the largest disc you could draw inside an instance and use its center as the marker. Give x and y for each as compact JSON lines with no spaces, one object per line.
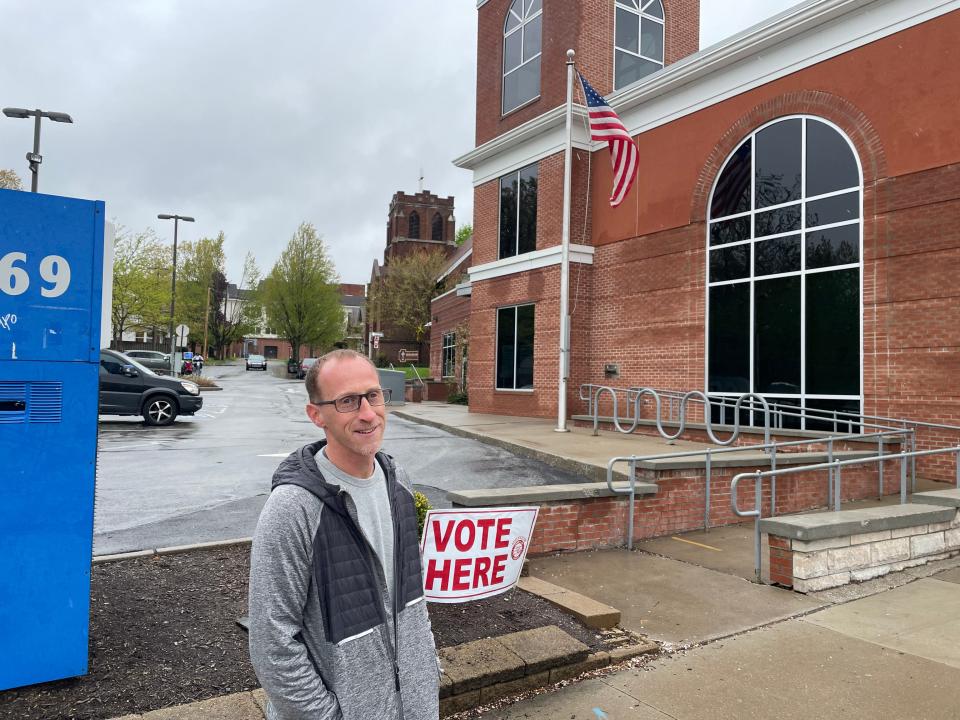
{"x":173,"y":289}
{"x":34,"y":158}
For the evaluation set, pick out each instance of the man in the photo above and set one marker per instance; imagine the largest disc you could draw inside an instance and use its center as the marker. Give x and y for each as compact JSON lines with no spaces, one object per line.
{"x":338,"y":623}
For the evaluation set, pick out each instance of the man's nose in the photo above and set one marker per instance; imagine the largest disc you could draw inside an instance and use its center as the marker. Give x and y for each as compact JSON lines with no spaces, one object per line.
{"x":365,"y":411}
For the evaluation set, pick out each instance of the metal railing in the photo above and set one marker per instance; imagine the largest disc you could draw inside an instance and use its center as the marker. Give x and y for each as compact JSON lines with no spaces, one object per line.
{"x":832,"y":467}
{"x":415,"y":372}
{"x":635,"y":396}
{"x":771,"y":448}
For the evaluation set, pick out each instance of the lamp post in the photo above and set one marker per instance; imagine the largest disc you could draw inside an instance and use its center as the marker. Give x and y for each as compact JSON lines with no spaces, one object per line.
{"x":173,"y":288}
{"x":34,"y":158}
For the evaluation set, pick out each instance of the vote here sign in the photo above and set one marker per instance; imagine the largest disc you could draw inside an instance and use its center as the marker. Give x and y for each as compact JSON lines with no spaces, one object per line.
{"x":473,"y":554}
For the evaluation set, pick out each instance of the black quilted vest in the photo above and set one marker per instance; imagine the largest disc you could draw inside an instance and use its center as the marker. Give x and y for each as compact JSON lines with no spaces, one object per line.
{"x":344,"y":563}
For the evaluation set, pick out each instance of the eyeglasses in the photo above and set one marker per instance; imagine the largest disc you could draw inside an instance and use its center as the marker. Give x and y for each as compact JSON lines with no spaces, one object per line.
{"x":351,"y":403}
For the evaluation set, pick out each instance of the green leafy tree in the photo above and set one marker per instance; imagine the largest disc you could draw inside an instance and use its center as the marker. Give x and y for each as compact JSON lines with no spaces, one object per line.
{"x":141,"y":282}
{"x":301,"y":295}
{"x":463,"y":234}
{"x":402,"y":297}
{"x":9,"y":180}
{"x":197,"y":265}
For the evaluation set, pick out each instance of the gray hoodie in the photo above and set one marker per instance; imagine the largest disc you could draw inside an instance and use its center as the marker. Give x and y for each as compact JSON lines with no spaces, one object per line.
{"x":321,"y":640}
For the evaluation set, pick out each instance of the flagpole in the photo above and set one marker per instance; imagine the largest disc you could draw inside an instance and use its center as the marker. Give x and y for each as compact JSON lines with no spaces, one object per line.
{"x":565,"y":258}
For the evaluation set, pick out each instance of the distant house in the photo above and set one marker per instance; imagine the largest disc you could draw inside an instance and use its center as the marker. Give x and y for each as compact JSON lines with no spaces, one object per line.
{"x":450,"y":320}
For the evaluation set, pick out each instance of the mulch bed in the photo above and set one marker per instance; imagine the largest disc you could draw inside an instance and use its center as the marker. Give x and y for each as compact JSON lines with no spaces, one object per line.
{"x":163,"y":632}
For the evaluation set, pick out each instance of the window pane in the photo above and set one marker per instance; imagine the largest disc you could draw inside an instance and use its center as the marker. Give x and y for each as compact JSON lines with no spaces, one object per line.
{"x":528,"y":81}
{"x":651,"y":39}
{"x":630,"y":68}
{"x":629,"y":3}
{"x":830,"y":161}
{"x":833,"y":333}
{"x":776,"y":336}
{"x":654,"y":8}
{"x":511,"y":51}
{"x":729,"y":340}
{"x":506,"y":332}
{"x":777,"y":256}
{"x":513,"y":15}
{"x":778,"y":163}
{"x":531,"y":38}
{"x":534,"y":6}
{"x":731,"y":263}
{"x":732,"y":192}
{"x":528,"y":210}
{"x":730,"y":231}
{"x":508,"y":215}
{"x":840,"y":406}
{"x":778,"y":221}
{"x":833,"y":209}
{"x":525,"y":346}
{"x":628,"y":31}
{"x":835,"y":246}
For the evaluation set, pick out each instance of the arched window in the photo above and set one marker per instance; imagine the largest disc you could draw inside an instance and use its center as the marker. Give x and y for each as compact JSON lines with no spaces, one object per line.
{"x":436,"y":228}
{"x":638,"y":40}
{"x":521,"y":53}
{"x":413,"y":226}
{"x":784,"y":269}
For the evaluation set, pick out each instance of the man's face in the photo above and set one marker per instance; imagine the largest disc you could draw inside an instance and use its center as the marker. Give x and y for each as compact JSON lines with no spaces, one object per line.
{"x":353,"y":435}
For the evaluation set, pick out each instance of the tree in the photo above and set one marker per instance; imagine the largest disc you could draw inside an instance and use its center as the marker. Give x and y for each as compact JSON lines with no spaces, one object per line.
{"x":301,"y":294}
{"x":402,"y":297}
{"x":463,"y":234}
{"x":234,"y":316}
{"x":141,"y":282}
{"x":9,"y":180}
{"x":197,"y":265}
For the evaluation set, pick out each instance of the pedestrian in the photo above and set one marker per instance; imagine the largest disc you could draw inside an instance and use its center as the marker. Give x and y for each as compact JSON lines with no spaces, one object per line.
{"x":338,"y":622}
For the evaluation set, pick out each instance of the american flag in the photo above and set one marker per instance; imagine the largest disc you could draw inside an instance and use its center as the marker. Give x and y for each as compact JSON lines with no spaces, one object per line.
{"x":605,"y":125}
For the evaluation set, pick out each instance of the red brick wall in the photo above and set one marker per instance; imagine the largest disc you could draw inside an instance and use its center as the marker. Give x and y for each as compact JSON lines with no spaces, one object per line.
{"x":448,"y":313}
{"x":586,"y":27}
{"x":679,"y":505}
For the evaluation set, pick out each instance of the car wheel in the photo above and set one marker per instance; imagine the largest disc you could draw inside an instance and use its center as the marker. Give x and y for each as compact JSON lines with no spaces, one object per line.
{"x":160,"y":411}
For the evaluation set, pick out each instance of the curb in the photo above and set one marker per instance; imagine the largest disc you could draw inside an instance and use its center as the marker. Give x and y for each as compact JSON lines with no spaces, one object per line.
{"x":209,"y":389}
{"x":590,"y":612}
{"x":172,"y":550}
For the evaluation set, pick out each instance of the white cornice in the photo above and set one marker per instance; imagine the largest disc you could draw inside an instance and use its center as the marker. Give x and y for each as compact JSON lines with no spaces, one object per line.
{"x":582,"y":254}
{"x":783,"y":44}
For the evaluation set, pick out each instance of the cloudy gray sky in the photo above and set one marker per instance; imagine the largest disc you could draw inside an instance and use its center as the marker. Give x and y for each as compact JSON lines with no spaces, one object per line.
{"x":256,"y":116}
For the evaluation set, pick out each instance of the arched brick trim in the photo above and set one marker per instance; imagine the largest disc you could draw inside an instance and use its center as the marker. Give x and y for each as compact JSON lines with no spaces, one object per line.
{"x":836,"y":109}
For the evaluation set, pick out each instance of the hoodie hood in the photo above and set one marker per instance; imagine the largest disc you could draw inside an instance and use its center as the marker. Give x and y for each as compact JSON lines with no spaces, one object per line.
{"x":300,"y":468}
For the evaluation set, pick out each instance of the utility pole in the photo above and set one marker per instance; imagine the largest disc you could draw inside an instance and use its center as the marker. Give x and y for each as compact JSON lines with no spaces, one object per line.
{"x":206,"y":320}
{"x":173,"y":287}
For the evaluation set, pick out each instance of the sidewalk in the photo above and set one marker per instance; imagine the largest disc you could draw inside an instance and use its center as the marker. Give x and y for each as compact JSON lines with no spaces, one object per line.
{"x":733,"y":649}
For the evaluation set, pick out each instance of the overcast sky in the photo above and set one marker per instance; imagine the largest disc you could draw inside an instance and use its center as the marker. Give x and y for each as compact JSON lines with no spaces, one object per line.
{"x":256,"y":116}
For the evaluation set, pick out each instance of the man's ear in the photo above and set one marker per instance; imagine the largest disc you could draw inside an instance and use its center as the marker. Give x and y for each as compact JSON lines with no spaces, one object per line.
{"x":313,"y":412}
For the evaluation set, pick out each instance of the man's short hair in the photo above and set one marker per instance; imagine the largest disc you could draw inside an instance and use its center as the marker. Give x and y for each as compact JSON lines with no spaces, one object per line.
{"x":312,"y":380}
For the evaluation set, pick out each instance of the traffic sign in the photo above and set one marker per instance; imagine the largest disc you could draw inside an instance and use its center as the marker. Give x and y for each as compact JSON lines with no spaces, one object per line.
{"x":182,"y":331}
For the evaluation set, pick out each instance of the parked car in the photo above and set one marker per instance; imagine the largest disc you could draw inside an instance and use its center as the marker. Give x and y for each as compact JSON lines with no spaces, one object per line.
{"x":129,"y":388}
{"x":153,"y":359}
{"x":256,"y":362}
{"x":305,"y":367}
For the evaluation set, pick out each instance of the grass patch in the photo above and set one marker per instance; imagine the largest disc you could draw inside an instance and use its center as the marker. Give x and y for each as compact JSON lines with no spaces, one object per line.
{"x":409,"y":374}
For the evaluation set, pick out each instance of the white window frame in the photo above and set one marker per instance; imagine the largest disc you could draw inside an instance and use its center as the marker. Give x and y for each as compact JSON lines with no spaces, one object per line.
{"x":803,"y":272}
{"x":496,"y":348}
{"x":507,"y":33}
{"x":448,"y":352}
{"x":640,"y":14}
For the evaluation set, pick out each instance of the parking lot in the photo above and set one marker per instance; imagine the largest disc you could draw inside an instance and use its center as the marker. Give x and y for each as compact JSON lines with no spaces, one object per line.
{"x":206,"y":477}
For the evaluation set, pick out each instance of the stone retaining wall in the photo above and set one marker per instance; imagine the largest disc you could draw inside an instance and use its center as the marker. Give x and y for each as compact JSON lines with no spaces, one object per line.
{"x":809,"y":566}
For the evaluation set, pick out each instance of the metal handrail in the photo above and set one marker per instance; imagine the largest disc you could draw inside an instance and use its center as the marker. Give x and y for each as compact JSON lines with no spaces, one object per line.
{"x":833,"y":467}
{"x":709,"y":453}
{"x":415,"y":372}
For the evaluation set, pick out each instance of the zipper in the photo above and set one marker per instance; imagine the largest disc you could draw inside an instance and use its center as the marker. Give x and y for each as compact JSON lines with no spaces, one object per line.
{"x":371,"y":563}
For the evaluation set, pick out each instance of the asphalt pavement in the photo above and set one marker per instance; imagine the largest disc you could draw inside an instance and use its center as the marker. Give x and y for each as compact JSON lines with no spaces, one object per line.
{"x":205,"y":478}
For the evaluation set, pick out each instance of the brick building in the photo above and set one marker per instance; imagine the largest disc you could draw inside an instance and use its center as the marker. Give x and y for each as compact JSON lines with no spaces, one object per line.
{"x":794,"y":228}
{"x":415,"y":223}
{"x":450,"y":320}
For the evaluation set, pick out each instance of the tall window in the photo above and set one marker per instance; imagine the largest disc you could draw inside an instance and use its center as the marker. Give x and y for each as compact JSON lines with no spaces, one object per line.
{"x":515,"y":348}
{"x":521,"y":53}
{"x":436,"y":228}
{"x":449,"y":358}
{"x":784,"y":268}
{"x":413,"y":226}
{"x":518,"y":212}
{"x":638,"y":40}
